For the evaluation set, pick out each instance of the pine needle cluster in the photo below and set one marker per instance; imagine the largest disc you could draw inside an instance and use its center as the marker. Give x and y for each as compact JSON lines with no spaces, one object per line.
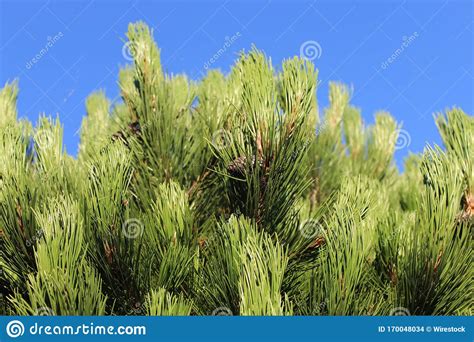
{"x":232,"y":195}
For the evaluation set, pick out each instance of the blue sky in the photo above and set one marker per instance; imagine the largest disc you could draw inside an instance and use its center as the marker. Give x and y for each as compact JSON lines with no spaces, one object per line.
{"x":411,"y":58}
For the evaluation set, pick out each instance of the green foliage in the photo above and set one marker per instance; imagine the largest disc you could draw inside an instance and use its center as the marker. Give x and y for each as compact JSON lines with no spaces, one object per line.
{"x":232,"y":195}
{"x":261,"y":279}
{"x":8,"y":97}
{"x":161,"y":303}
{"x":95,"y":129}
{"x":65,"y":283}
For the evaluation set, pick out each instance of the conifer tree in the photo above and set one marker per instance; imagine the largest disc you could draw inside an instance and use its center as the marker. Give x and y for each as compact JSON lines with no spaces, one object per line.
{"x":232,"y":195}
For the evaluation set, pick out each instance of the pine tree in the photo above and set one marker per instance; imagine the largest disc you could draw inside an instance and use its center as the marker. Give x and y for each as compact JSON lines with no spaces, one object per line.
{"x":232,"y":195}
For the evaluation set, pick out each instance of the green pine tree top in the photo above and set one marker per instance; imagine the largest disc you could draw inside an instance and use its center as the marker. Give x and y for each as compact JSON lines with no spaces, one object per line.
{"x":232,"y":195}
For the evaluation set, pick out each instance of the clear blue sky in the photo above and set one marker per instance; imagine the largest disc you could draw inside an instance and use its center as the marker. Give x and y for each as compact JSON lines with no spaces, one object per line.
{"x":432,"y":70}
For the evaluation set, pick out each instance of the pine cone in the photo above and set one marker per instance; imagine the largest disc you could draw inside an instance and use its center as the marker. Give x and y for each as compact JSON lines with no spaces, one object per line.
{"x":468,"y":206}
{"x":238,"y":166}
{"x":135,"y":127}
